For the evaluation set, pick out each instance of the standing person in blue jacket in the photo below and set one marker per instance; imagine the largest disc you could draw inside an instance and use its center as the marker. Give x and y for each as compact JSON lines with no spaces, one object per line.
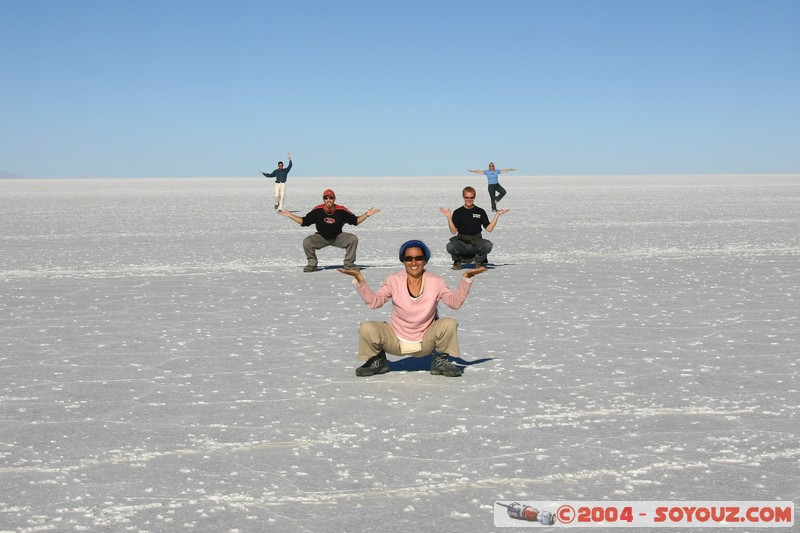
{"x":280,"y":175}
{"x":494,"y":184}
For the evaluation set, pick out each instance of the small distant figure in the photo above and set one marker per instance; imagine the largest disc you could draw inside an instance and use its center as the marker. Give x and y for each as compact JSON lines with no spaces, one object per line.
{"x":466,"y":223}
{"x":416,"y":328}
{"x":329,"y":219}
{"x":280,"y":174}
{"x":492,"y":175}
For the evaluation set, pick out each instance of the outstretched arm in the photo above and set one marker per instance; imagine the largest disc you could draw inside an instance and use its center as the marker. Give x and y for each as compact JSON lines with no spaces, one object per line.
{"x":476,"y":171}
{"x":493,"y":223}
{"x":474,"y":272}
{"x":373,"y":300}
{"x":371,"y":211}
{"x":507,"y":170}
{"x":355,"y":273}
{"x":455,"y":299}
{"x":446,"y":212}
{"x":292,"y":216}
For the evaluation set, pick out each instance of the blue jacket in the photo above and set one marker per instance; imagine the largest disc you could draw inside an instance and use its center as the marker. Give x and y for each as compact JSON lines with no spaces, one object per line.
{"x":279,"y":174}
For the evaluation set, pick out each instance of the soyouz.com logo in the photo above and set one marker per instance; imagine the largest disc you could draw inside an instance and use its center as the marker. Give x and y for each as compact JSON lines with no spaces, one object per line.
{"x":682,"y":514}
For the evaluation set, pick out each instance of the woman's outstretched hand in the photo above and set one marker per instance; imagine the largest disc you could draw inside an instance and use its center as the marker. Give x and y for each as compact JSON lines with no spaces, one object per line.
{"x":352,"y":272}
{"x":474,"y":272}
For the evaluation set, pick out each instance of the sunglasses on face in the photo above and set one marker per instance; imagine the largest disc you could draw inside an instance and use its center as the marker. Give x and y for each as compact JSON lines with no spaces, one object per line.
{"x":409,"y":258}
{"x":469,"y":198}
{"x":329,"y":198}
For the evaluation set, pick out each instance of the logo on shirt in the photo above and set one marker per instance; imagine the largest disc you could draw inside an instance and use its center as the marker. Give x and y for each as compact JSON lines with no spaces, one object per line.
{"x":329,"y":220}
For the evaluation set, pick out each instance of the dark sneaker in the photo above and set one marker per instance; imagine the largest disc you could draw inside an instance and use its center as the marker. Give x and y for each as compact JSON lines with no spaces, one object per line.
{"x":457,"y":265}
{"x":377,"y":364}
{"x":276,"y":206}
{"x":310,"y":268}
{"x":441,"y":366}
{"x":351,"y":267}
{"x":479,"y":265}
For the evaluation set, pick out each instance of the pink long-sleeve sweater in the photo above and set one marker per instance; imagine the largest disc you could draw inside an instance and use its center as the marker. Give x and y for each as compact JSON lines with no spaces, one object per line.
{"x":412,"y":316}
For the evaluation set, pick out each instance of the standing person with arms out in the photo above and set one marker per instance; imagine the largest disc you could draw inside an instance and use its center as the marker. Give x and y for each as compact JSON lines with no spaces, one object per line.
{"x":415,"y":328}
{"x":280,"y":174}
{"x":466,"y":223}
{"x":329,"y":219}
{"x":492,"y":175}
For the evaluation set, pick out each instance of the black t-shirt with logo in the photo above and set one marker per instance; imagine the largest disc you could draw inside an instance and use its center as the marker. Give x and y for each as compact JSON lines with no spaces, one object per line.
{"x":329,"y":225}
{"x":470,"y":221}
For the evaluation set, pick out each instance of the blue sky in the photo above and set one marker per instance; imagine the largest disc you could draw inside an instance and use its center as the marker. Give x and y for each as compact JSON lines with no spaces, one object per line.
{"x":199,"y":88}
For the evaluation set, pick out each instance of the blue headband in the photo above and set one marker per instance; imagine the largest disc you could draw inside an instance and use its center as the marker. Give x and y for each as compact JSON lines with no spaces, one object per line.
{"x":414,"y":244}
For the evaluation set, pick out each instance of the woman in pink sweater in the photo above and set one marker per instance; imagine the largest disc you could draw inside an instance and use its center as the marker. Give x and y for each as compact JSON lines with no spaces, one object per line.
{"x":416,"y":328}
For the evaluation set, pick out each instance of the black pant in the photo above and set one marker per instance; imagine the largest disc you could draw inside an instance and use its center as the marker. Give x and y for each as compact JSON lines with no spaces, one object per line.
{"x":502,"y":192}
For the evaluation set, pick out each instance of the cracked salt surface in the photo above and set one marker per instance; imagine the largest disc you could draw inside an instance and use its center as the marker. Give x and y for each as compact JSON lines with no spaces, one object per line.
{"x":165,"y":363}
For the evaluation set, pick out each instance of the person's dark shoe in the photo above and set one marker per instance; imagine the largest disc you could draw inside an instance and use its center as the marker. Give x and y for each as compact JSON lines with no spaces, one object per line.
{"x":351,"y":267}
{"x":310,"y":268}
{"x":441,"y":366}
{"x":479,"y":265}
{"x":456,"y":265}
{"x":377,"y":364}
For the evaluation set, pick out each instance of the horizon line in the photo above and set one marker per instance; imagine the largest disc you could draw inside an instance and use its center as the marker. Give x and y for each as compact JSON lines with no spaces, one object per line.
{"x":629,"y":175}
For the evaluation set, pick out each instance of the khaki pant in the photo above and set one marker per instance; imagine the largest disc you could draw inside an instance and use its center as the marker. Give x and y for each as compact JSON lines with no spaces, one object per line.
{"x":280,"y":194}
{"x":376,"y":336}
